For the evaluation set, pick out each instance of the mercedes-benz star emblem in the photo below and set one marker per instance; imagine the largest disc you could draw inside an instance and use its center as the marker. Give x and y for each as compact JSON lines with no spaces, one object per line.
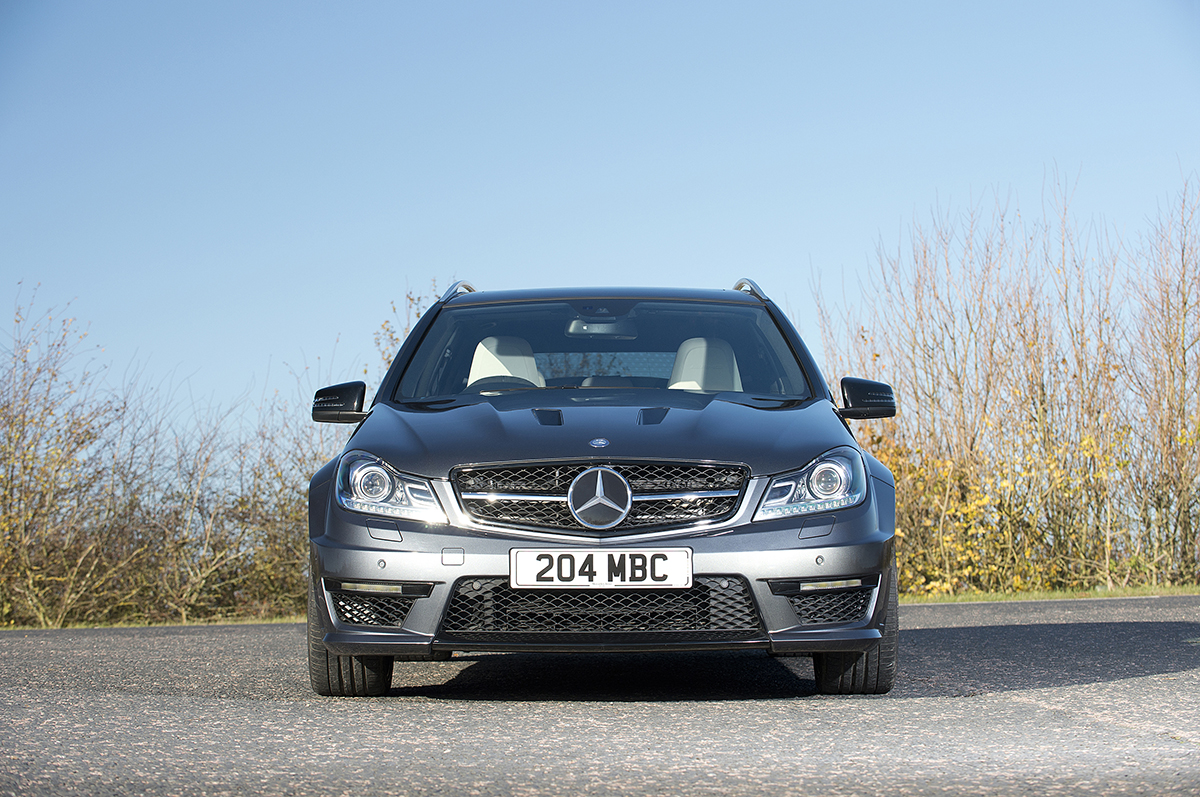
{"x":600,"y":498}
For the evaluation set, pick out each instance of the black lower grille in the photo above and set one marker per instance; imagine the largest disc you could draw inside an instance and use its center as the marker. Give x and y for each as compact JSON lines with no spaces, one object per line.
{"x":835,"y":606}
{"x":356,"y":608}
{"x":487,"y":609}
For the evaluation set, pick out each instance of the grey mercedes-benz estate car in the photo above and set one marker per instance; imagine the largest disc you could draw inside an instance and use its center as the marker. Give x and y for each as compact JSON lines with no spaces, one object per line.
{"x":602,"y":470}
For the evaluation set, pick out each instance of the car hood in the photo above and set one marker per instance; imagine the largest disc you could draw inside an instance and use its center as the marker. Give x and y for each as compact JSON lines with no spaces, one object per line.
{"x":768,"y":434}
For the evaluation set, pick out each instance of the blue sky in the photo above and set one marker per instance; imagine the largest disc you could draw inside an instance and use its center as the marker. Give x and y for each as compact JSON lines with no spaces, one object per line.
{"x":224,"y":190}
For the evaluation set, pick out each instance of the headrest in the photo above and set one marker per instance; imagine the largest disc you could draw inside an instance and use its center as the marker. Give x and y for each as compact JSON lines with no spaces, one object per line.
{"x":504,"y":356}
{"x":705,"y":364}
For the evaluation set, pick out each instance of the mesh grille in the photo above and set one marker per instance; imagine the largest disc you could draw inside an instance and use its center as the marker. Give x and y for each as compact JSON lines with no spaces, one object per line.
{"x":679,"y":510}
{"x":488,"y":609}
{"x":355,"y":608}
{"x":645,"y":479}
{"x":841,"y":606}
{"x":548,"y":479}
{"x":554,"y":514}
{"x":681,"y":478}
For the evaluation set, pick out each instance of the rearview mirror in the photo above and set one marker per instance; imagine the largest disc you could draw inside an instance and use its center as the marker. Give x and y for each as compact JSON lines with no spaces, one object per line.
{"x":619,"y":328}
{"x":863,"y":399}
{"x":340,"y":403}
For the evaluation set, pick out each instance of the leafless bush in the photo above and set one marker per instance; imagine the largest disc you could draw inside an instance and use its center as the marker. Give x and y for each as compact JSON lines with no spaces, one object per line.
{"x":394,"y":330}
{"x":1048,"y":435}
{"x":61,"y":438}
{"x":1049,"y":407}
{"x":115,"y":505}
{"x":1165,"y":283}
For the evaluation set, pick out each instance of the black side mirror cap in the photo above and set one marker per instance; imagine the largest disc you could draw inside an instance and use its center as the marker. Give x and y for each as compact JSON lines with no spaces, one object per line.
{"x":863,"y":399}
{"x":340,"y":403}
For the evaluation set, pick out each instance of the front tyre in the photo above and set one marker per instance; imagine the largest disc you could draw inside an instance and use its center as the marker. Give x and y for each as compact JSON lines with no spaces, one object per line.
{"x":342,"y":676}
{"x":869,"y":673}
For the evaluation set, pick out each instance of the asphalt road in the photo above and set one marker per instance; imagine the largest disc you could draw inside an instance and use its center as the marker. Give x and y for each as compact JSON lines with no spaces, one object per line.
{"x":1067,"y":697}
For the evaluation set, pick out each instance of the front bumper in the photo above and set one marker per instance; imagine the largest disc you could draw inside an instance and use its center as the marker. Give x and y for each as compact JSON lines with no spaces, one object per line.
{"x":386,"y":588}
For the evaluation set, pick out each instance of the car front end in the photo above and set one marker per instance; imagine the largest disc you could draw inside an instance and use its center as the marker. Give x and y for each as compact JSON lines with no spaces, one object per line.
{"x":613,"y":471}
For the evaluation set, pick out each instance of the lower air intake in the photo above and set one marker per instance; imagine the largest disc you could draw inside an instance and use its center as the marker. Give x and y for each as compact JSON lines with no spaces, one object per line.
{"x":834,"y":606}
{"x":355,"y":608}
{"x":487,"y":609}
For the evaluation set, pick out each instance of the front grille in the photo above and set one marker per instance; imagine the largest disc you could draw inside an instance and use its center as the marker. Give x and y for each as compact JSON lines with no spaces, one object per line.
{"x":834,"y":606}
{"x":355,"y":608}
{"x":487,"y":609}
{"x":536,"y":495}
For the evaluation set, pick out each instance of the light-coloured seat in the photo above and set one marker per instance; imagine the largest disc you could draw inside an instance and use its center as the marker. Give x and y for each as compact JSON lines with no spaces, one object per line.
{"x":504,"y":356}
{"x":705,"y":364}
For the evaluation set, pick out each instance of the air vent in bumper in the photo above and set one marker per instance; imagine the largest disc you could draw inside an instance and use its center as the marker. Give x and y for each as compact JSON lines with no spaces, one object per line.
{"x":829,"y":602}
{"x":375,"y":603}
{"x":487,"y":610}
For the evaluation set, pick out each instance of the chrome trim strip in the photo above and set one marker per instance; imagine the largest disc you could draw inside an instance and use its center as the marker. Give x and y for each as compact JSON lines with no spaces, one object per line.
{"x":493,"y":497}
{"x":686,"y":496}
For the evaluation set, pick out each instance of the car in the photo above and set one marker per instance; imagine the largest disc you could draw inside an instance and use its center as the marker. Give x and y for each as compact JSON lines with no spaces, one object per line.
{"x":617,"y":470}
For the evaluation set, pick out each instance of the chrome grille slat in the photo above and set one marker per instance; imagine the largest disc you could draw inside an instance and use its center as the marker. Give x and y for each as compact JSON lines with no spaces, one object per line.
{"x":686,"y":496}
{"x":512,"y":497}
{"x":643,"y":497}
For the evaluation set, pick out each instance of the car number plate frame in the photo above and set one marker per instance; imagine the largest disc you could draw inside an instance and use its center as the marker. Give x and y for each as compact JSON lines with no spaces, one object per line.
{"x":600,"y":568}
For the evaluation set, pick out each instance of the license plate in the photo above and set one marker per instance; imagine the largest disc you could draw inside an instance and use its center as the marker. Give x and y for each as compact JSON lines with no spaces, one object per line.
{"x":600,"y":568}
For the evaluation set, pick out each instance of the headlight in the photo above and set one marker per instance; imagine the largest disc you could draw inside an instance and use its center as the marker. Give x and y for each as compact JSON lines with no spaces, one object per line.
{"x":366,"y":484}
{"x":835,"y":480}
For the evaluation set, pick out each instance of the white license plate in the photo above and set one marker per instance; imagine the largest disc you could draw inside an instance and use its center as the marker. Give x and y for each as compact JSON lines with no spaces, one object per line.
{"x":600,"y":568}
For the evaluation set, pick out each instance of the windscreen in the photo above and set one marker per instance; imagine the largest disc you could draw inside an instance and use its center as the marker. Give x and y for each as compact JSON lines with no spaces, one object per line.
{"x":603,"y":344}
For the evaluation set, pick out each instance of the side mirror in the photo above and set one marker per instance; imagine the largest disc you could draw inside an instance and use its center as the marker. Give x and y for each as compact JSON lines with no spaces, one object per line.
{"x":340,"y":403}
{"x":863,"y":399}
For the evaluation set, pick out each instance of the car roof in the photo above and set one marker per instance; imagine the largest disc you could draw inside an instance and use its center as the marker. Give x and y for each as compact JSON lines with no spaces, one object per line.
{"x":572,"y":294}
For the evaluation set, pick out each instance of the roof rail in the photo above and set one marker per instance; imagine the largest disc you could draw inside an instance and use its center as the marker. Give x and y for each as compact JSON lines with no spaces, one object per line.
{"x":462,"y":286}
{"x":750,"y":287}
